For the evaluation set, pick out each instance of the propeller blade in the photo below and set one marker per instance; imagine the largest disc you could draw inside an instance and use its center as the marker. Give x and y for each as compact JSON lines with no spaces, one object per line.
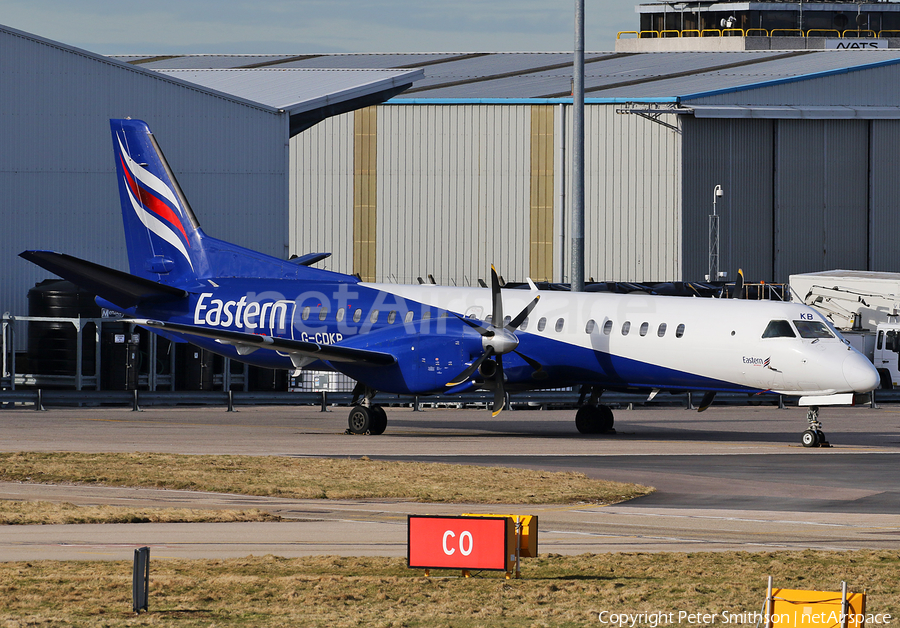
{"x":499,"y":393}
{"x":706,"y":401}
{"x":481,"y":329}
{"x":514,"y":323}
{"x":465,"y":375}
{"x":497,"y":311}
{"x":538,"y":369}
{"x":739,"y":285}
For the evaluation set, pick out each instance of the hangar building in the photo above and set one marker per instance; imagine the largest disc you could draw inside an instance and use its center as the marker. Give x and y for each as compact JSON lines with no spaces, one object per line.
{"x":470,"y":166}
{"x":228,"y":147}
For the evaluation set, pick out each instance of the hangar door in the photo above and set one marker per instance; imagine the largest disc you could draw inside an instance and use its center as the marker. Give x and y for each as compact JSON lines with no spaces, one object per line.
{"x":821,"y":196}
{"x":796,"y":195}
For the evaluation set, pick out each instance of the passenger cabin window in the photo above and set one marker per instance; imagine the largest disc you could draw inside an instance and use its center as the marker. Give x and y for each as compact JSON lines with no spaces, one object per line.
{"x":374,"y":316}
{"x":408,"y":318}
{"x":661,"y":331}
{"x":607,"y":328}
{"x":813,"y":329}
{"x":506,"y":320}
{"x":305,"y":313}
{"x":426,"y":315}
{"x":542,"y":323}
{"x":357,"y":315}
{"x":626,"y":327}
{"x":323,"y":313}
{"x":560,"y":323}
{"x":339,"y":315}
{"x":524,"y":324}
{"x":589,"y":328}
{"x":645,"y":327}
{"x":779,"y":329}
{"x":487,"y":319}
{"x":392,"y":317}
{"x":679,"y":331}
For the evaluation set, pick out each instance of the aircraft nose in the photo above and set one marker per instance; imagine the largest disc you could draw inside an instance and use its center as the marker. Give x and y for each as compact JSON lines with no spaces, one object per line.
{"x":860,"y":374}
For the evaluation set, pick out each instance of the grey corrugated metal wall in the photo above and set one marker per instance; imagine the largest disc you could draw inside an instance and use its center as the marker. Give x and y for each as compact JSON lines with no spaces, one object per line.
{"x":884,"y":228}
{"x":632,"y":197}
{"x":800,"y":195}
{"x":736,"y":154}
{"x":57,"y":171}
{"x":821,"y":184}
{"x":454,"y":186}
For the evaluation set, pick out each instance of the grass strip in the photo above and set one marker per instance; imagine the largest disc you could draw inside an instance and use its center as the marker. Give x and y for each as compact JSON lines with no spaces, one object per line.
{"x":337,"y":592}
{"x":316,"y":478}
{"x":50,"y":513}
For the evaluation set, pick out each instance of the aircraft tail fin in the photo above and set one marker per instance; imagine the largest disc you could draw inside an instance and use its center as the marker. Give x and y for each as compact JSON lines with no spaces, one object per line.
{"x":164,"y":239}
{"x":163,"y":236}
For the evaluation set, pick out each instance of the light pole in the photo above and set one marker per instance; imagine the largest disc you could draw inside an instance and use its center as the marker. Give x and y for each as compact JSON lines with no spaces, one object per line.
{"x":577,"y":262}
{"x":713,"y":275}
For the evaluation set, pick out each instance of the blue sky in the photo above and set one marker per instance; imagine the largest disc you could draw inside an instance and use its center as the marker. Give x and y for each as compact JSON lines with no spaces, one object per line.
{"x":280,"y":26}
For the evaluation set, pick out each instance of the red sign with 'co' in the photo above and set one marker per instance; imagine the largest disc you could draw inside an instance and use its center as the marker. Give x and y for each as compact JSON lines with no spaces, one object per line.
{"x":458,"y":542}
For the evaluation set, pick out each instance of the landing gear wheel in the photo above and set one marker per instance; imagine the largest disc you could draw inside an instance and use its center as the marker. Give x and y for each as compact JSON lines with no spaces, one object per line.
{"x":814,"y":436}
{"x":810,"y":438}
{"x":379,"y":420}
{"x":606,"y":420}
{"x":594,"y":419}
{"x":360,"y":420}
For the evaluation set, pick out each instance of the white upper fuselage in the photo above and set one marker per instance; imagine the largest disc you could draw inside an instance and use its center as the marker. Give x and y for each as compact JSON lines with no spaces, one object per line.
{"x":720,"y":339}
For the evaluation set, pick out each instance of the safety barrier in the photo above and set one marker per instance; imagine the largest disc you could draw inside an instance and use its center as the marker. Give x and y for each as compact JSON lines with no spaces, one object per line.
{"x":761,"y":32}
{"x":38,"y":399}
{"x":824,"y":32}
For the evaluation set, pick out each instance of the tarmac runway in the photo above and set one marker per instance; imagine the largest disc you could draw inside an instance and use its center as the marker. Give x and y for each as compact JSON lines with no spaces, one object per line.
{"x":729,"y":478}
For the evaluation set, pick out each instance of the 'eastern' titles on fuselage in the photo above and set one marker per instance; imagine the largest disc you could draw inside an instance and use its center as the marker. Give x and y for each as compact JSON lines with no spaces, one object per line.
{"x":241,"y":313}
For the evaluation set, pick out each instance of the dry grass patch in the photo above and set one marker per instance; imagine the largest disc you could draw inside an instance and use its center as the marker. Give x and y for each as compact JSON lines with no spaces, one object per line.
{"x":316,"y":478}
{"x":334,"y":591}
{"x":49,"y":513}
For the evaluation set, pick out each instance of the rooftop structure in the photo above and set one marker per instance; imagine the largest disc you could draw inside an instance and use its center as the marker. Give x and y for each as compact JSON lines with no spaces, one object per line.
{"x":752,"y":25}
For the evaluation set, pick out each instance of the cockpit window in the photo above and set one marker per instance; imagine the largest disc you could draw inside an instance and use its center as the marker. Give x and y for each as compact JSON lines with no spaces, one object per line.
{"x":779,"y":329}
{"x":813,"y":329}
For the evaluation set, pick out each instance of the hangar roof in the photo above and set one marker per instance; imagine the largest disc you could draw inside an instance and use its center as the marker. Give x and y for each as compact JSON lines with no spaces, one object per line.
{"x":609,"y":77}
{"x":308,"y":94}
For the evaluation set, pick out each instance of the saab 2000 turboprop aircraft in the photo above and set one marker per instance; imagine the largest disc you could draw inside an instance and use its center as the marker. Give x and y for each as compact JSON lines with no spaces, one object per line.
{"x":423,"y":339}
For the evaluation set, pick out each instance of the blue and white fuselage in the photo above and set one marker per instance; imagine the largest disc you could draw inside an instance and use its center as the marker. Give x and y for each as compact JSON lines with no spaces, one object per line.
{"x":424,"y":339}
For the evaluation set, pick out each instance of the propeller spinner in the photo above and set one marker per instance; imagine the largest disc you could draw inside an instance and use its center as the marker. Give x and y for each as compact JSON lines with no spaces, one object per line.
{"x":497,"y":341}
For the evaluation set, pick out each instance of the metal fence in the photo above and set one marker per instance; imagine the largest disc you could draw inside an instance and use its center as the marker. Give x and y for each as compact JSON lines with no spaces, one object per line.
{"x":39,"y":399}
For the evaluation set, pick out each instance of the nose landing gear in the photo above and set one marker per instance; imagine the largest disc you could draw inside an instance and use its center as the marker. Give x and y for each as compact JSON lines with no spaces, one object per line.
{"x":814,"y":436}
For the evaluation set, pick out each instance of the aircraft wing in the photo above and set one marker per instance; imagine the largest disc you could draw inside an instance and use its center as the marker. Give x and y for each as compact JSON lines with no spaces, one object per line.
{"x":247,"y":343}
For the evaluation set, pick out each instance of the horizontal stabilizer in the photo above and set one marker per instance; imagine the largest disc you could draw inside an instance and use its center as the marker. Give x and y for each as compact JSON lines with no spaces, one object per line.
{"x":309,"y":259}
{"x":113,"y":285}
{"x":246,"y":342}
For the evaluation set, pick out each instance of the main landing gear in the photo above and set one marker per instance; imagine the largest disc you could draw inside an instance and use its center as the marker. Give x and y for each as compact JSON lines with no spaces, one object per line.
{"x":814,"y":436}
{"x":591,"y":419}
{"x":367,"y":420}
{"x":365,"y":417}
